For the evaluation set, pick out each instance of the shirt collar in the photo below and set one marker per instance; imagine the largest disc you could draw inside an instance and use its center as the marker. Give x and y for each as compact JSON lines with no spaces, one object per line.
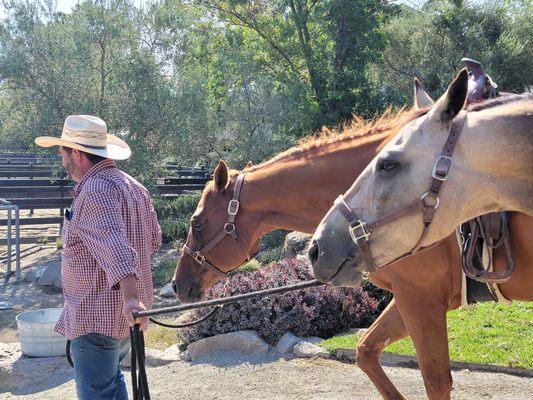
{"x":96,"y":168}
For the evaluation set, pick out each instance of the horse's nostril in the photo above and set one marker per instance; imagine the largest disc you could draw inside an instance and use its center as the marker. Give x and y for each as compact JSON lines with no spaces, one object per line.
{"x":313,"y":252}
{"x":174,"y":287}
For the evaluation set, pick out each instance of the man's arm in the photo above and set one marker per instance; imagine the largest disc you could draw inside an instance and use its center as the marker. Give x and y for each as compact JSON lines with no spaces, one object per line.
{"x":128,"y":286}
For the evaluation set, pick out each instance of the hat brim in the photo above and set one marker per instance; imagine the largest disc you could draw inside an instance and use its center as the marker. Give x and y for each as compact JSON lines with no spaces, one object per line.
{"x":116,"y":148}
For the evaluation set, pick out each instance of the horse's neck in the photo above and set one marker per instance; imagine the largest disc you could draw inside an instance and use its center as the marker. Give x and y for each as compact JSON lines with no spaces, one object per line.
{"x":498,"y":154}
{"x":296,"y":193}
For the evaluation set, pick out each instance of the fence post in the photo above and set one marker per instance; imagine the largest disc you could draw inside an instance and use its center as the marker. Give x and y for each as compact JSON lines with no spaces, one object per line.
{"x":9,"y":207}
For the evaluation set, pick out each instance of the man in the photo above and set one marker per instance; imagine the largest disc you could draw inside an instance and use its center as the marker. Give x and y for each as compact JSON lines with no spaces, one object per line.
{"x":109,"y":233}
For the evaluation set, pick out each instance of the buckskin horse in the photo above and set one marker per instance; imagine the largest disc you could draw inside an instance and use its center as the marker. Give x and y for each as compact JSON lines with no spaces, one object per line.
{"x":293,"y":191}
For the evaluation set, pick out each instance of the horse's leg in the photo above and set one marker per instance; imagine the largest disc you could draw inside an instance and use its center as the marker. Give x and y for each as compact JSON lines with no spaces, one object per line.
{"x":388,"y":328}
{"x":424,"y":315}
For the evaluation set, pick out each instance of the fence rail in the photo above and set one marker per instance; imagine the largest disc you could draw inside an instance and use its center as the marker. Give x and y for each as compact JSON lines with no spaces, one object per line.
{"x":35,"y":183}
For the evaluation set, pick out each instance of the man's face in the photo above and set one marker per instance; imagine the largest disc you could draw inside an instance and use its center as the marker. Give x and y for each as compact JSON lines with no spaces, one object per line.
{"x":68,"y":162}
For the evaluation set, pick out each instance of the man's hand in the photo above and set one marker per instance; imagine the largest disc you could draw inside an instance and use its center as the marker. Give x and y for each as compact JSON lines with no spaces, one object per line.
{"x":133,"y":305}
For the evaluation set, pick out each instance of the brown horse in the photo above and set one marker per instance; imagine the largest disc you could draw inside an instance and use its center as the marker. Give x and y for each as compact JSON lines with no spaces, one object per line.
{"x":283,"y":194}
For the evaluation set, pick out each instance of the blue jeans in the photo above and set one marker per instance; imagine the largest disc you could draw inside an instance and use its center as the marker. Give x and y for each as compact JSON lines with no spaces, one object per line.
{"x":97,"y":371}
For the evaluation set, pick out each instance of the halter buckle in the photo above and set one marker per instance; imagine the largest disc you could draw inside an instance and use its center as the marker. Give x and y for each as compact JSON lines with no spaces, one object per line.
{"x":360,"y":225}
{"x":199,"y":258}
{"x":441,"y":168}
{"x":435,"y":205}
{"x":233,"y":207}
{"x":229,"y":227}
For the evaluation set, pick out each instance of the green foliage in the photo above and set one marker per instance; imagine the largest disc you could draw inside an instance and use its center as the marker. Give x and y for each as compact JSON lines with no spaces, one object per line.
{"x":270,"y":255}
{"x":174,"y":216}
{"x":429,"y":43}
{"x":164,"y":271}
{"x":201,"y":80}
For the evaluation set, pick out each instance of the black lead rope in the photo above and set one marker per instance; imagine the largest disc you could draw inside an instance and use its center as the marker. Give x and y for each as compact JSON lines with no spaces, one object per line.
{"x":139,"y":381}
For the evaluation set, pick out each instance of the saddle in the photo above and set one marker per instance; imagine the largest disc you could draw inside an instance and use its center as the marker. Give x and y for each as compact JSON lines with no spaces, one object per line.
{"x":481,"y":237}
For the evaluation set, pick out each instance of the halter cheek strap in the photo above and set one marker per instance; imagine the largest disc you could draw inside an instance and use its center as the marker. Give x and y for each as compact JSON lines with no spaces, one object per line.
{"x":228,"y":229}
{"x":428,"y":203}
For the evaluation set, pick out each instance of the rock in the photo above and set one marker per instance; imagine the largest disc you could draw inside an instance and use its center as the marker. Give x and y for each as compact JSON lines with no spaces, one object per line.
{"x":51,"y":276}
{"x":307,"y":350}
{"x":286,"y":343}
{"x":39,"y":271}
{"x":185,"y":356}
{"x":166,"y":291}
{"x":311,"y":339}
{"x":18,"y":371}
{"x":246,"y":342}
{"x":296,"y":243}
{"x":4,"y":305}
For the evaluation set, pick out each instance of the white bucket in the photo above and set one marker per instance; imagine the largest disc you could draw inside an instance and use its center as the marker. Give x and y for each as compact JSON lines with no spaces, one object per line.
{"x":36,"y":333}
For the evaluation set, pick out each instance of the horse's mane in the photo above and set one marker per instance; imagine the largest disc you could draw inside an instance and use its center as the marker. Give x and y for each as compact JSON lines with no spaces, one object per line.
{"x":358,"y":130}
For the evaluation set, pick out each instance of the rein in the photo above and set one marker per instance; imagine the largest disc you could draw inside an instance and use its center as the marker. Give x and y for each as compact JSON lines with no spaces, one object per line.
{"x":428,"y":203}
{"x":228,"y":229}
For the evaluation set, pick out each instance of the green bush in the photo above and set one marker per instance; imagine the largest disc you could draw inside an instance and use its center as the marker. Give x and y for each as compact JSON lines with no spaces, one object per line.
{"x":164,"y":271}
{"x":268,"y":256}
{"x":274,"y":239}
{"x":174,"y":216}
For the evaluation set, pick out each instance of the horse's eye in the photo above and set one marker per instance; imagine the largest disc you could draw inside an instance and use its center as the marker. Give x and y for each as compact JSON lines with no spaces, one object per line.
{"x":388,"y":165}
{"x":196,"y":224}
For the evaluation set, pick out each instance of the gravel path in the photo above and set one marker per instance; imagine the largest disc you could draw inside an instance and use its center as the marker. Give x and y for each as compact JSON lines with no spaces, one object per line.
{"x":229,"y":377}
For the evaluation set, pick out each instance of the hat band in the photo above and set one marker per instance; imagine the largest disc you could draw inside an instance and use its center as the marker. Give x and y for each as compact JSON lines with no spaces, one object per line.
{"x":91,"y":147}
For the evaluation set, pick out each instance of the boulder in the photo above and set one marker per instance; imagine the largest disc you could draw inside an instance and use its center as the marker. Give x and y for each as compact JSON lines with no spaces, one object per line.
{"x":296,"y":243}
{"x":306,"y":349}
{"x":286,"y":343}
{"x":167,"y":291}
{"x":245,"y":342}
{"x":51,"y":276}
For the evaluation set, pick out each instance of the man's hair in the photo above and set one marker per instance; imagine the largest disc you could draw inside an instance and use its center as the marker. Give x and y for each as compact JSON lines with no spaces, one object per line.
{"x":92,"y":157}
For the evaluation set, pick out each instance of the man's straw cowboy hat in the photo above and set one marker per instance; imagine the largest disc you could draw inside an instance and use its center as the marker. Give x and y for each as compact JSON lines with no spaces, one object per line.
{"x":89,"y":134}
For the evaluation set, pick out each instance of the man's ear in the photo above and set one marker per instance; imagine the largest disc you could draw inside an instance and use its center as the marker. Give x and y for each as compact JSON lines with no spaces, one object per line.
{"x":453,"y":101}
{"x":221,"y":176}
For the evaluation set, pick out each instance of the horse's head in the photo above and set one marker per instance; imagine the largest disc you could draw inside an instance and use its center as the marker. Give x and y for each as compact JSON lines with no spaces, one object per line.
{"x":220,"y":236}
{"x":353,"y":234}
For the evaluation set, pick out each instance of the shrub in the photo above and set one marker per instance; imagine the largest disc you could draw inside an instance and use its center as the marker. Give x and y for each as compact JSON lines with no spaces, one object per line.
{"x":174,"y":216}
{"x":164,"y":271}
{"x":318,"y":311}
{"x":383,"y":297}
{"x":269,"y":256}
{"x":274,"y":239}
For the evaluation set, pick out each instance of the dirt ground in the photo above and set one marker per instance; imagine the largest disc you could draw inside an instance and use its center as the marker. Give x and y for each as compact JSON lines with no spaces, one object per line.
{"x":228,"y":377}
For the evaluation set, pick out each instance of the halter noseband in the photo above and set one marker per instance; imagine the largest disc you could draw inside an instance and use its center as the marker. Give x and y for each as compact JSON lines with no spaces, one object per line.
{"x":428,"y":203}
{"x":228,"y":229}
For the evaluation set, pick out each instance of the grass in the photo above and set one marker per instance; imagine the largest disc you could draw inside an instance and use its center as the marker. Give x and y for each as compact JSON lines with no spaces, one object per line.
{"x":159,"y":337}
{"x":489,"y":334}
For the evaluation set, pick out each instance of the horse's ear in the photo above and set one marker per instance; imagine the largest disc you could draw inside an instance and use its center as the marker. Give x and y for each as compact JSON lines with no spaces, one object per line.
{"x":453,"y":101}
{"x":249,"y":165}
{"x":221,"y":176}
{"x":421,"y":98}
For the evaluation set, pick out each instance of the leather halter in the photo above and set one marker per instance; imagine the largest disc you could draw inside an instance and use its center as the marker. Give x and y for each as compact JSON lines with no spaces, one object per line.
{"x":428,"y":203}
{"x":228,"y":229}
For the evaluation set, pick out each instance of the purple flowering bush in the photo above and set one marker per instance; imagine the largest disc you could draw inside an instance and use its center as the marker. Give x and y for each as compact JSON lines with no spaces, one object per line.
{"x":317,"y":311}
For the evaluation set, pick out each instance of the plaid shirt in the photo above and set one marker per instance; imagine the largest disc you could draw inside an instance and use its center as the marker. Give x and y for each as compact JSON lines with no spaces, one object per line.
{"x":112,"y":231}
